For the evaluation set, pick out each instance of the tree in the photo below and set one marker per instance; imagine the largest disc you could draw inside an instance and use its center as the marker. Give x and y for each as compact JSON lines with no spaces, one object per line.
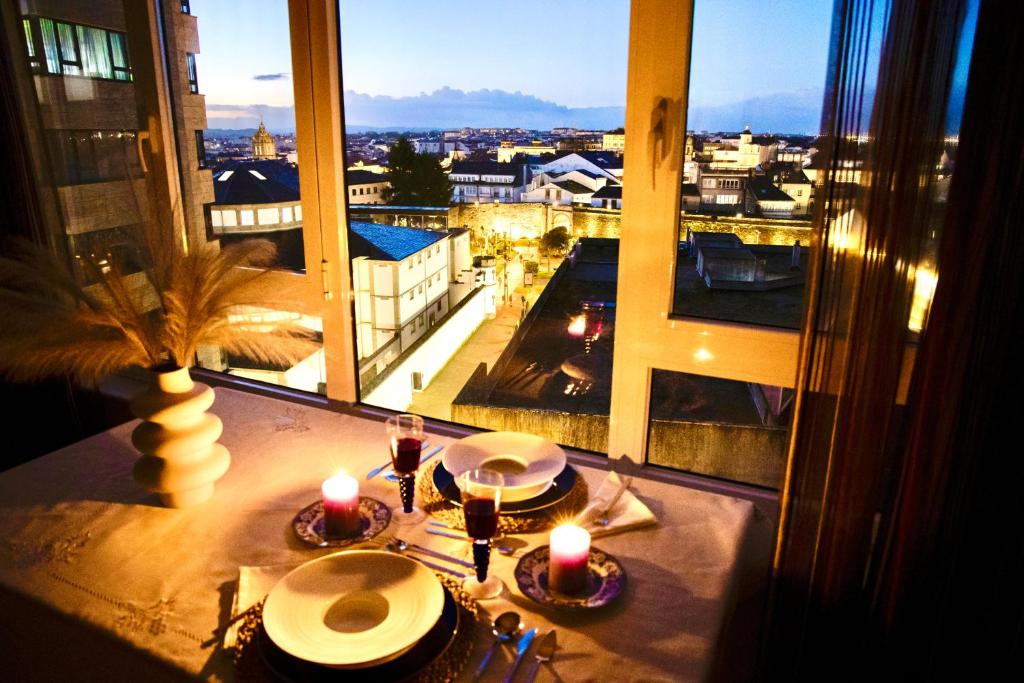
{"x":555,"y":240}
{"x":416,"y":179}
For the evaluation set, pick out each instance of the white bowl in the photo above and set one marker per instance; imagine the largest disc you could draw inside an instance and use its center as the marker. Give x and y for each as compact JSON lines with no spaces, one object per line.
{"x":529,"y":463}
{"x":353,"y":609}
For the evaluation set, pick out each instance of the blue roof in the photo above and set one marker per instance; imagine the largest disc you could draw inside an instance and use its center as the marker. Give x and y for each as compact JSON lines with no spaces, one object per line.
{"x":389,"y":242}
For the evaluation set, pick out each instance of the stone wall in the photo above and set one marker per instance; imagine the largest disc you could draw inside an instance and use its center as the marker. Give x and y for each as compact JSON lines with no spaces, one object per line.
{"x":533,"y":219}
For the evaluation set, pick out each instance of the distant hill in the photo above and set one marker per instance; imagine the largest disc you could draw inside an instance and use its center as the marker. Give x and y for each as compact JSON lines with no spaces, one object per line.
{"x":797,"y":112}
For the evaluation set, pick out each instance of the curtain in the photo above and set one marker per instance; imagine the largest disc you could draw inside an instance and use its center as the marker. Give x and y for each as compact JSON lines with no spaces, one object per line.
{"x":879,"y":220}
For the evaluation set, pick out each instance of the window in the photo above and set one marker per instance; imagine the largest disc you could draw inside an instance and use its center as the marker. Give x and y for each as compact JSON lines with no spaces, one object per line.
{"x":200,"y":149}
{"x":185,"y":7}
{"x":193,"y":77}
{"x":75,"y":49}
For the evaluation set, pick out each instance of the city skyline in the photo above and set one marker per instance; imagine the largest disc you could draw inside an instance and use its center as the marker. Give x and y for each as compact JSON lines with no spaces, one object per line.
{"x":409,"y":52}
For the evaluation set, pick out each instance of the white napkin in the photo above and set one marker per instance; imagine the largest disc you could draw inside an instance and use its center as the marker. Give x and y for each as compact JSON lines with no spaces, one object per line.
{"x":254,"y":583}
{"x":628,"y":513}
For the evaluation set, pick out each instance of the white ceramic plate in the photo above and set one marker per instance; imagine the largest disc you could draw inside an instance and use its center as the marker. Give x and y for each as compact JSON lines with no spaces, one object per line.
{"x":353,"y":609}
{"x":529,"y":463}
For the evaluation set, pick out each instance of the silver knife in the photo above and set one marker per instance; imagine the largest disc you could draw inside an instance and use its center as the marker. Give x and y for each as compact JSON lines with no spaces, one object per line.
{"x":377,"y":470}
{"x":545,"y":651}
{"x":438,"y":555}
{"x":521,"y":648}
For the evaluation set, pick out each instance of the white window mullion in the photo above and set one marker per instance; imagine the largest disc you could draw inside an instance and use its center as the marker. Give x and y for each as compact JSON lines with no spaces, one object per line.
{"x":647,"y":336}
{"x":319,"y":144}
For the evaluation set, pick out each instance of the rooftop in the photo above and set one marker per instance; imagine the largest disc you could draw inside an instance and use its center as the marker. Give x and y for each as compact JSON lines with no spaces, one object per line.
{"x":361,"y":177}
{"x":609,"y":192}
{"x":389,"y":242}
{"x":264,"y":181}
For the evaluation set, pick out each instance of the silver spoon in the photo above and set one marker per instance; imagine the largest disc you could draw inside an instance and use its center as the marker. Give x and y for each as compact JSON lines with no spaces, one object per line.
{"x":505,"y":628}
{"x":503,"y":549}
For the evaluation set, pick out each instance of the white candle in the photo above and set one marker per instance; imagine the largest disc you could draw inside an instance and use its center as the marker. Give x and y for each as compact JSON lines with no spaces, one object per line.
{"x":569,"y":558}
{"x":341,"y":506}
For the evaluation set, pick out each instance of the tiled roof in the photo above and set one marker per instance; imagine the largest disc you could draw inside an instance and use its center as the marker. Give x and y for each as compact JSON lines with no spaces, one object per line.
{"x":266,"y":181}
{"x":573,"y":186}
{"x":388,"y":242}
{"x":609,"y":192}
{"x":765,"y":191}
{"x":360,"y":177}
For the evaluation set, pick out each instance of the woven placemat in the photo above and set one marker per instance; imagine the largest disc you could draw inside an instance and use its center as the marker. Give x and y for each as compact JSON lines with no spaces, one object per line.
{"x":431,"y":500}
{"x":249,"y":665}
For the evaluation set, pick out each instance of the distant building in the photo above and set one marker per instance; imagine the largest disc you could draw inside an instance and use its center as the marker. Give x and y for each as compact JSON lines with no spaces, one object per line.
{"x":599,"y":163}
{"x":689,"y":197}
{"x":263,"y":145}
{"x":406,"y":281}
{"x":365,"y":187}
{"x":614,"y":142}
{"x":508,"y":150}
{"x":771,"y":201}
{"x":400,"y":281}
{"x":255,"y":196}
{"x":487,"y":181}
{"x":743,"y":153}
{"x":725,"y":191}
{"x":608,"y":197}
{"x":795,"y":183}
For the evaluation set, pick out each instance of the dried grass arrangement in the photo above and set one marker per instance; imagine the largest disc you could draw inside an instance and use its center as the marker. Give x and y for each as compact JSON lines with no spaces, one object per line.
{"x":52,"y":324}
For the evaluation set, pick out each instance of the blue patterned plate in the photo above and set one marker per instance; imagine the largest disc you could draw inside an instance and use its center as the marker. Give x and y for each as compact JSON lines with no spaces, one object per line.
{"x":308,"y":525}
{"x":606,"y":579}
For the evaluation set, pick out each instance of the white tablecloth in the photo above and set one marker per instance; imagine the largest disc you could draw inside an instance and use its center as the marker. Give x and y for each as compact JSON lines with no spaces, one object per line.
{"x":99,"y":582}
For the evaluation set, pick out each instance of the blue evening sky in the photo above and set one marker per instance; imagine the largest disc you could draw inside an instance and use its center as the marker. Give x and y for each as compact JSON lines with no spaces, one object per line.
{"x":571,"y":52}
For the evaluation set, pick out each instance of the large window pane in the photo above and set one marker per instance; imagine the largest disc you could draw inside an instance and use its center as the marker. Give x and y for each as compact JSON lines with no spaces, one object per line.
{"x":750,"y":161}
{"x":483,"y":191}
{"x":240,"y":150}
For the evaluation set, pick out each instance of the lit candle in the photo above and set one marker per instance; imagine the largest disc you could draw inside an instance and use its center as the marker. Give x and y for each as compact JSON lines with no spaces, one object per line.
{"x":341,"y":506}
{"x":569,"y":558}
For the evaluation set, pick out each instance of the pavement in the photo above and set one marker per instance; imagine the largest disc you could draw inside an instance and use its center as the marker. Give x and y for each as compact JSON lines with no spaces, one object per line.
{"x":484,"y":346}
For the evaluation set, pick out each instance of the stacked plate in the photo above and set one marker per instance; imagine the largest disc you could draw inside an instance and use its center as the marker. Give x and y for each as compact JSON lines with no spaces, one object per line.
{"x":535,"y":470}
{"x":383,"y":614}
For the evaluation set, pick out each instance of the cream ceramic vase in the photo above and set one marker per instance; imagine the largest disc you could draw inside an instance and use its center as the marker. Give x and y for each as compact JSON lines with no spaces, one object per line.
{"x":181,"y":458}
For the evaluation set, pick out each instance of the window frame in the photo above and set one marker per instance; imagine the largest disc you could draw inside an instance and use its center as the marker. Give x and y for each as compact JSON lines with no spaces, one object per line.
{"x":38,"y":62}
{"x":192,"y":73}
{"x":649,"y":336}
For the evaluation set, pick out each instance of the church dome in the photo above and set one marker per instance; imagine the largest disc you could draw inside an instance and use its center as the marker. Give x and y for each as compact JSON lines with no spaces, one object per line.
{"x":263,"y":145}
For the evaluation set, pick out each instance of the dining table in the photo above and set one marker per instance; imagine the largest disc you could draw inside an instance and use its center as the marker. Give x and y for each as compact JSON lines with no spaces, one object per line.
{"x":98,"y":581}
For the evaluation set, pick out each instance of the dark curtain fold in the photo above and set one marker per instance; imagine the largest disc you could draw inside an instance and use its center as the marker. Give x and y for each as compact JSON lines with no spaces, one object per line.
{"x":949,"y":593}
{"x":881,"y":217}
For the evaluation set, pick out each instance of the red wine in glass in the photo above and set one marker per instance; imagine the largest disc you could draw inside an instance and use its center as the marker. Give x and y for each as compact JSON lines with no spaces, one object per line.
{"x":406,"y":456}
{"x":481,"y":517}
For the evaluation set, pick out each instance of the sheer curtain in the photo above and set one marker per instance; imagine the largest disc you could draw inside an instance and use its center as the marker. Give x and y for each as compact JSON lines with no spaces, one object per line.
{"x":881,"y":214}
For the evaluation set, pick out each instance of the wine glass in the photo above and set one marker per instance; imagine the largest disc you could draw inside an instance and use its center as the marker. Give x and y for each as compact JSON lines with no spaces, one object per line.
{"x":481,"y":502}
{"x":405,"y":435}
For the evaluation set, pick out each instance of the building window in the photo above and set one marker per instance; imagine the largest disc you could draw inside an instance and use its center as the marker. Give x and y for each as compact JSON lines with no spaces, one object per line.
{"x":193,"y":77}
{"x":60,"y":48}
{"x":186,"y":7}
{"x":200,"y":149}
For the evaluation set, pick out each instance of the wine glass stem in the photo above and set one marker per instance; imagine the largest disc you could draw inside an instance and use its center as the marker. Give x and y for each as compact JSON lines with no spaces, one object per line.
{"x":406,"y":487}
{"x":481,"y":557}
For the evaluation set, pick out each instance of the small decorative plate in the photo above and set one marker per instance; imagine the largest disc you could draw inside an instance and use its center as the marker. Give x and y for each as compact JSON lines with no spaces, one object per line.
{"x":555,"y":493}
{"x":606,"y":579}
{"x":308,"y":525}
